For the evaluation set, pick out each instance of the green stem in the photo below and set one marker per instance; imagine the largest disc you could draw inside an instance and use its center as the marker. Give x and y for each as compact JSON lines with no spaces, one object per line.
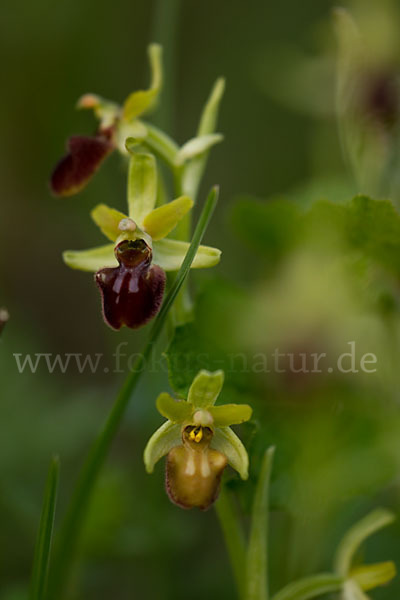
{"x":76,"y":513}
{"x":234,"y":538}
{"x":165,"y":32}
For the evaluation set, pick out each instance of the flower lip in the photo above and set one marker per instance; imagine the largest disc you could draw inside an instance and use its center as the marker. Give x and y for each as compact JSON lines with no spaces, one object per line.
{"x":132,"y":253}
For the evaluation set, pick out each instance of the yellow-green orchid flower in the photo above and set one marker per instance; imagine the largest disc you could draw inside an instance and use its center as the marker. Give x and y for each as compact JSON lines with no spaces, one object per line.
{"x":85,"y":154}
{"x":198,"y":441}
{"x":130,"y":269}
{"x":362,"y":578}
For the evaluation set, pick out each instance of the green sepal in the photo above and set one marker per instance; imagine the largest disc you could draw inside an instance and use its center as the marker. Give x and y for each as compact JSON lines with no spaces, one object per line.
{"x":161,"y":442}
{"x":352,"y":591}
{"x":160,"y":221}
{"x":142,"y":186}
{"x":169,"y":255}
{"x":230,"y":414}
{"x":92,"y":259}
{"x":227,"y":442}
{"x":108,"y":220}
{"x":177,"y":411}
{"x":369,"y":577}
{"x":197,"y":146}
{"x":206,"y":388}
{"x":141,"y":101}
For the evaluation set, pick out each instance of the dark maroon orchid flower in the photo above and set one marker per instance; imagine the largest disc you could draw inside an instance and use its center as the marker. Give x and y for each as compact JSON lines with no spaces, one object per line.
{"x":132,"y":292}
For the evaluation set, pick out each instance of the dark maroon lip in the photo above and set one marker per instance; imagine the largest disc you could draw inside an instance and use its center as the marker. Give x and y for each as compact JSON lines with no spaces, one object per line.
{"x":131,"y":293}
{"x":84,"y":157}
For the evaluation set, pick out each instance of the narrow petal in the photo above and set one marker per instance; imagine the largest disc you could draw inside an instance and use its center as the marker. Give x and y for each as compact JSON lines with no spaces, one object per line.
{"x":230,"y":414}
{"x":160,"y":221}
{"x":161,"y":442}
{"x":176,"y":411}
{"x":206,"y":388}
{"x":142,"y":186}
{"x":108,"y":220}
{"x":169,"y":254}
{"x":75,"y":169}
{"x":197,"y":146}
{"x":141,"y":101}
{"x":91,"y":260}
{"x":228,"y":443}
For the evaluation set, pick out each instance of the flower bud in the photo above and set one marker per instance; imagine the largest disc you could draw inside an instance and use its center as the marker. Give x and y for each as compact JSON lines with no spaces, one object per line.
{"x":131,"y":293}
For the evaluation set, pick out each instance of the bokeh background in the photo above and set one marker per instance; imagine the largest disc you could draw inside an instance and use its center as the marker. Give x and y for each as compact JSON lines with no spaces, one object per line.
{"x":337,"y":438}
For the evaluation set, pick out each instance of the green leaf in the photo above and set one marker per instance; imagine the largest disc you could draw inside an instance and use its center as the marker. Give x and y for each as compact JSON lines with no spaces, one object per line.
{"x":161,"y":442}
{"x":206,"y":388}
{"x":108,"y":220}
{"x":169,"y":254}
{"x":139,"y":102}
{"x":197,"y":146}
{"x":142,"y":186}
{"x":160,"y":221}
{"x":176,"y":411}
{"x":356,"y":535}
{"x":77,"y":509}
{"x":234,"y":536}
{"x":227,"y":442}
{"x":230,"y":414}
{"x":311,"y":587}
{"x":257,"y":551}
{"x":91,"y":260}
{"x":45,"y":535}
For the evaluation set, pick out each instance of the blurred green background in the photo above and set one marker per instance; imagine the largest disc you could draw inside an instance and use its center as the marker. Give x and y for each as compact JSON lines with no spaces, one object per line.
{"x":337,"y":438}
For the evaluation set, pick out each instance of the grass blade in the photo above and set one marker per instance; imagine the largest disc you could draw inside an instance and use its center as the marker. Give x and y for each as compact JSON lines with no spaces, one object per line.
{"x":76,"y":513}
{"x":310,"y":587}
{"x":41,"y":558}
{"x":257,"y":551}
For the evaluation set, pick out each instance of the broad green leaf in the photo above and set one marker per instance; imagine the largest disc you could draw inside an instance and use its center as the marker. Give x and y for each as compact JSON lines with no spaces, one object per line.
{"x":91,"y":260}
{"x":369,"y":577}
{"x":257,"y":550}
{"x":160,"y":221}
{"x":356,"y":535}
{"x":41,"y":559}
{"x":141,"y":101}
{"x":310,"y":587}
{"x":227,"y":442}
{"x":108,"y":220}
{"x":197,"y":146}
{"x":206,"y":388}
{"x":142,"y":186}
{"x":177,"y":411}
{"x":230,"y":414}
{"x":161,"y":442}
{"x":169,"y":254}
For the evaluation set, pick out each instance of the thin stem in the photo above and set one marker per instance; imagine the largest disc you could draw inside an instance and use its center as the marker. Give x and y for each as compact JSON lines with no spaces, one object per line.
{"x":76,"y":513}
{"x":234,"y":538}
{"x":41,"y":558}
